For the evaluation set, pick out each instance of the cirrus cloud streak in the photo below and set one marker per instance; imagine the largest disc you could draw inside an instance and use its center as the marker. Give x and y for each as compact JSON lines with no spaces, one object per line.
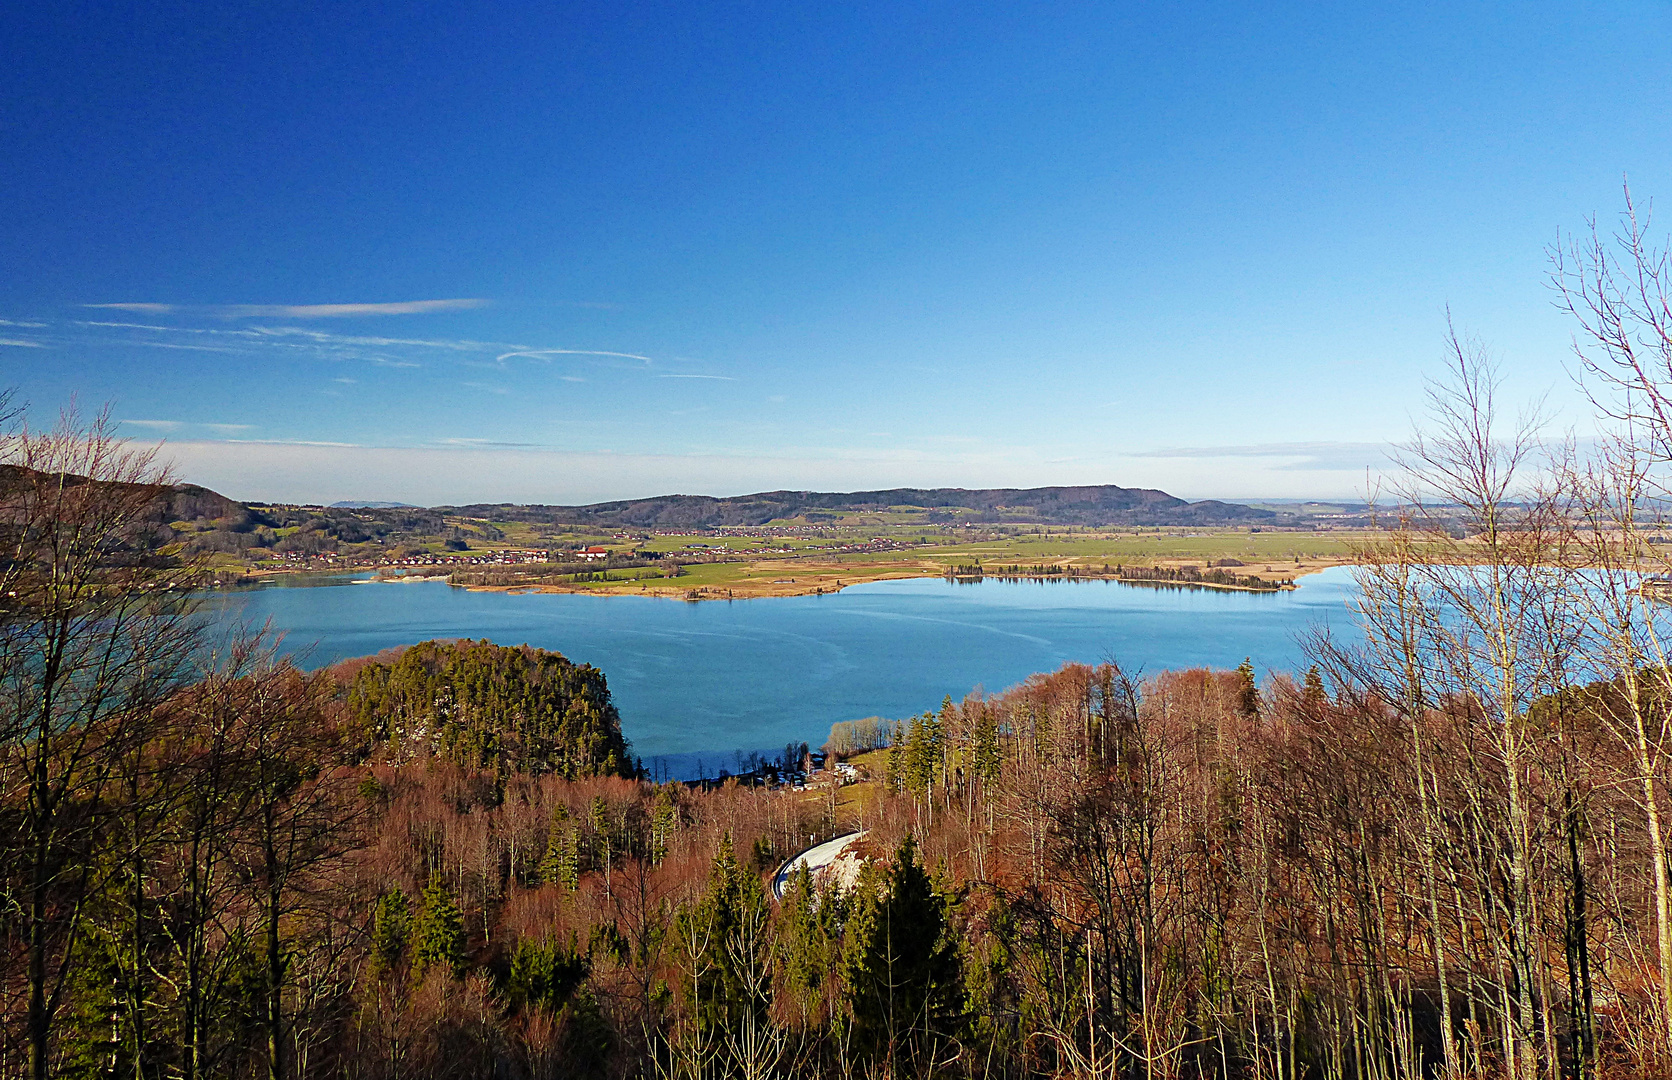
{"x":298,"y":311}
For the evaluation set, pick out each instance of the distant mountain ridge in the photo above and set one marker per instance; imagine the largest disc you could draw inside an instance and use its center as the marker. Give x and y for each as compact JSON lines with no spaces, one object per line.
{"x":1092,"y":505}
{"x":1105,"y":504}
{"x":206,"y":523}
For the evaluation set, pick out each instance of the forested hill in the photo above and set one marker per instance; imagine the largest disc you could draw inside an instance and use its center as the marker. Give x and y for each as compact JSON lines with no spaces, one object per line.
{"x":178,"y":502}
{"x":1104,"y":504}
{"x":486,"y":706}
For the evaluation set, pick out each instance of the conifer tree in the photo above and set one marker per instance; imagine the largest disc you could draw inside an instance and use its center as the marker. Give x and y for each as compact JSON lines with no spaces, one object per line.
{"x":920,"y":755}
{"x":946,"y":727}
{"x":897,"y":755}
{"x":544,"y":973}
{"x":1248,"y":691}
{"x":733,"y":983}
{"x":664,"y":821}
{"x":1312,"y":691}
{"x":561,"y":864}
{"x":808,"y":927}
{"x":603,"y":840}
{"x":438,"y":932}
{"x":987,"y":752}
{"x":903,"y":974}
{"x":391,"y":928}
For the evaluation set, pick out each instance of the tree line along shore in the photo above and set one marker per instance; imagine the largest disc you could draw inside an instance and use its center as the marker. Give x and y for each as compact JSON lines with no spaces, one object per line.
{"x":739,"y":565}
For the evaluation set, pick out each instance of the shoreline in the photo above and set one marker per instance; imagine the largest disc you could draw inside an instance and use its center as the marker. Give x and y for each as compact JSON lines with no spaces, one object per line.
{"x":818,"y":579}
{"x":750,"y":590}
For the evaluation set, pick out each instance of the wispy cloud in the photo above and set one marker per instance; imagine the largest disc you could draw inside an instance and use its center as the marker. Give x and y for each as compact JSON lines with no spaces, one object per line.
{"x":298,"y":311}
{"x":175,"y":425}
{"x":142,"y":326}
{"x":164,"y":326}
{"x":281,"y":442}
{"x":260,"y":333}
{"x":1306,"y":456}
{"x":323,"y":337}
{"x":28,"y":325}
{"x":647,"y":362}
{"x":187,"y":347}
{"x":537,"y":354}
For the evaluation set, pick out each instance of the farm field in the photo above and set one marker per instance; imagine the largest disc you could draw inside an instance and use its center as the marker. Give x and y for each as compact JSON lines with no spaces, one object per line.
{"x":737,"y":566}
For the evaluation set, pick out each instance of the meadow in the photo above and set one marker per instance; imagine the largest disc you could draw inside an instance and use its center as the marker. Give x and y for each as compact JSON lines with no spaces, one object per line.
{"x":767,"y":562}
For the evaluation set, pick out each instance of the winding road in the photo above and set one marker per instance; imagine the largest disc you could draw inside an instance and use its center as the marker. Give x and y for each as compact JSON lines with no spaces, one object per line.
{"x":815,"y":858}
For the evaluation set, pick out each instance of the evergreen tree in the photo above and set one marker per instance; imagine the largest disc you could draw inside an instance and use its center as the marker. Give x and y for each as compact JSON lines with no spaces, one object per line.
{"x":808,"y":927}
{"x":987,"y":752}
{"x":603,"y":848}
{"x":920,"y":755}
{"x":391,"y":928}
{"x":897,"y":755}
{"x":1312,"y":691}
{"x":992,"y":990}
{"x":1248,"y":691}
{"x":545,"y":973}
{"x":761,"y":856}
{"x":562,"y":863}
{"x":733,"y":981}
{"x":903,"y":974}
{"x":664,"y":821}
{"x":438,"y":932}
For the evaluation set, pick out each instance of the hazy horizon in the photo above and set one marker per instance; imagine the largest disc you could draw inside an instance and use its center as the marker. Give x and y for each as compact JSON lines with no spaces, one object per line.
{"x":252,"y":471}
{"x":373,"y":500}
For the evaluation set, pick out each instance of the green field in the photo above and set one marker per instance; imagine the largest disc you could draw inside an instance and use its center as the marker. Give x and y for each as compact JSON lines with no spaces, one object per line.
{"x":754,"y":565}
{"x":797,"y":557}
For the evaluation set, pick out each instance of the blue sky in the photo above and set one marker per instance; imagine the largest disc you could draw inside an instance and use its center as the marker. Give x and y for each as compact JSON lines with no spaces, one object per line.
{"x":562,"y":252}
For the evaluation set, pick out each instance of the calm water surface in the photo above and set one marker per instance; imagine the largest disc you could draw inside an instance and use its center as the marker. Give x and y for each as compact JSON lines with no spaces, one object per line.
{"x":708,"y":678}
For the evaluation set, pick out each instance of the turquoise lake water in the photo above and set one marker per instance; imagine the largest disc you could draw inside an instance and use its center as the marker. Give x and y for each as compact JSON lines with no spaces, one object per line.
{"x":697,"y":681}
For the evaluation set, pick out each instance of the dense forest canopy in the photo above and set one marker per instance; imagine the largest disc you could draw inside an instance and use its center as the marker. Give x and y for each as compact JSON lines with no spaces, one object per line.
{"x":484,"y":706}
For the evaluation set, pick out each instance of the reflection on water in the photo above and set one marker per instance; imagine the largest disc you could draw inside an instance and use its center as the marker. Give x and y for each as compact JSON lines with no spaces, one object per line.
{"x":712,"y":677}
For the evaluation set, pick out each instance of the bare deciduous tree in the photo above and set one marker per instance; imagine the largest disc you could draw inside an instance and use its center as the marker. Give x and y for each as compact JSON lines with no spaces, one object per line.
{"x":94,"y":632}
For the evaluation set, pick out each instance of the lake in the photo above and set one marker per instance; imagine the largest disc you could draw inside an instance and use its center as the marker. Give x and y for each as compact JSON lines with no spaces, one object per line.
{"x":697,"y":681}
